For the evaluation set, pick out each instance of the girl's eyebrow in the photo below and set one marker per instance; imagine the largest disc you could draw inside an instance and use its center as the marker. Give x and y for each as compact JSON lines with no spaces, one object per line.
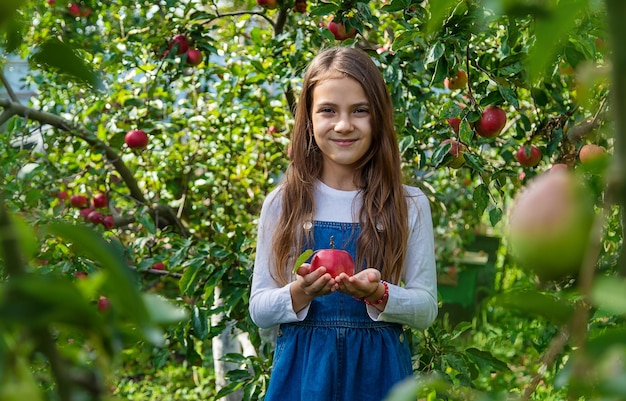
{"x":327,"y":103}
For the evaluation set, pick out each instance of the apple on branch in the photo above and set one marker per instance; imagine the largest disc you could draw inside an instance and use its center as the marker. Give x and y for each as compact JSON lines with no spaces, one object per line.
{"x":456,"y":151}
{"x":136,"y":139}
{"x":528,"y":155}
{"x":268,"y":4}
{"x":194,"y":57}
{"x":491,"y":122}
{"x":457,"y":82}
{"x":338,"y":29}
{"x":77,"y":200}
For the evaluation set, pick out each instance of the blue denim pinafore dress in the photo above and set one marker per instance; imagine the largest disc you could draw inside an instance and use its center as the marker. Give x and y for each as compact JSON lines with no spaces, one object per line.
{"x":338,"y":353}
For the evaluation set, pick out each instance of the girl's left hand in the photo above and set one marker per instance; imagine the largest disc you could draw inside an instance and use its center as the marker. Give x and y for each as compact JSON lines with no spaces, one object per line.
{"x":362,"y":284}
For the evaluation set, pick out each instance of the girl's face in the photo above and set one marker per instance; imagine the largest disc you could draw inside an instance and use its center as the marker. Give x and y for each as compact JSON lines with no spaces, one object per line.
{"x":341,"y":126}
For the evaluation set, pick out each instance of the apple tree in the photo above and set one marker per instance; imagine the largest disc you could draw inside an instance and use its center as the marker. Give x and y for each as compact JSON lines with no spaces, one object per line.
{"x":170,"y":122}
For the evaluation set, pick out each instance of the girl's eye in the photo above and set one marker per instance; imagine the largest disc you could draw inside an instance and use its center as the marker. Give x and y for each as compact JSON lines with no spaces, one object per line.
{"x":326,"y":110}
{"x":361,"y":110}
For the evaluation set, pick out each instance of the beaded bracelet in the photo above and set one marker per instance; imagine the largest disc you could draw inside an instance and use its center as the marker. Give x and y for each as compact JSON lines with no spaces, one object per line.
{"x":381,"y":299}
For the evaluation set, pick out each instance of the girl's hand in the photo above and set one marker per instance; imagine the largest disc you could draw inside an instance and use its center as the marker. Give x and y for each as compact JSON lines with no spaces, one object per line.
{"x":315,"y":283}
{"x":309,"y":285}
{"x":361,"y":285}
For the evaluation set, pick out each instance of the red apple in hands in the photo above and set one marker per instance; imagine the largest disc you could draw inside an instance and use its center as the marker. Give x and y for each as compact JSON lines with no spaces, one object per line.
{"x":336,"y":261}
{"x":528,"y":155}
{"x":491,"y":122}
{"x":136,"y":139}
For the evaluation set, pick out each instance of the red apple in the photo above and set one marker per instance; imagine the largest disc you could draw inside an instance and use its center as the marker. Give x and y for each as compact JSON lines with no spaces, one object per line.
{"x":338,"y":29}
{"x":528,"y":155}
{"x":491,"y":122}
{"x":300,"y":6}
{"x":108,"y":221}
{"x":269,"y":4}
{"x":158,"y":266}
{"x":136,"y":139}
{"x":456,"y":150}
{"x":194,"y":57}
{"x":99,"y":200}
{"x":80,"y":275}
{"x":455,"y":123}
{"x":590,"y":152}
{"x":84,"y":212}
{"x":63,"y":195}
{"x":103,"y":303}
{"x":85,"y":12}
{"x":78,"y":200}
{"x":550,"y":225}
{"x":272,"y":129}
{"x":458,"y":82}
{"x":95,"y":217}
{"x":180,"y":42}
{"x":335,"y":261}
{"x":73,"y":9}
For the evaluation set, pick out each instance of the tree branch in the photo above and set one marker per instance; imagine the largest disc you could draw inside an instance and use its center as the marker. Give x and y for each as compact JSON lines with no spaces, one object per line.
{"x":8,"y":87}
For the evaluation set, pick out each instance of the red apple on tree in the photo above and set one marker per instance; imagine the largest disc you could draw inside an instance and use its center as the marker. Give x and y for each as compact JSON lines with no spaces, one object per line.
{"x":491,"y":122}
{"x":456,"y":150}
{"x":158,"y":266}
{"x":84,"y":212}
{"x":181,"y":42}
{"x":108,"y":221}
{"x":194,"y":57}
{"x":300,"y":6}
{"x":136,"y":139}
{"x":550,"y":224}
{"x":591,"y":153}
{"x":455,"y":123}
{"x":457,"y":82}
{"x":78,"y":200}
{"x":338,"y":29}
{"x":103,"y":303}
{"x":95,"y":217}
{"x":63,"y":195}
{"x":528,"y":155}
{"x":269,"y":4}
{"x":73,"y":9}
{"x":99,"y":200}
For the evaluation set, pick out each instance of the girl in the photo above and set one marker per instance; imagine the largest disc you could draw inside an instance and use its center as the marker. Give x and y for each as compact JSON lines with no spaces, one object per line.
{"x":342,"y":338}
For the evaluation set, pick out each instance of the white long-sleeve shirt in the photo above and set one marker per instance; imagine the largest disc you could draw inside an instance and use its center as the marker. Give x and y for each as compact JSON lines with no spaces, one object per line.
{"x":413,"y":304}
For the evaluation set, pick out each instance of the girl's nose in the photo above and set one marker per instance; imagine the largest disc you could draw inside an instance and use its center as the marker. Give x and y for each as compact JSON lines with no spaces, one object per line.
{"x":344,"y":124}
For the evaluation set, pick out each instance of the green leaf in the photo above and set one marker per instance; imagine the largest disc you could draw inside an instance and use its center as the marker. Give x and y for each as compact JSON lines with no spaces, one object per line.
{"x":89,"y":243}
{"x":162,"y":311}
{"x":200,"y":323}
{"x":301,"y":259}
{"x":405,"y":143}
{"x":534,"y":303}
{"x":187,"y":283}
{"x":61,"y":57}
{"x":609,"y":294}
{"x":39,"y":301}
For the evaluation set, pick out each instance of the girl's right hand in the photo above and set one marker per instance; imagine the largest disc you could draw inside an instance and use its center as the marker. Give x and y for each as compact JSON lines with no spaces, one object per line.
{"x":315,"y":283}
{"x":309,"y":285}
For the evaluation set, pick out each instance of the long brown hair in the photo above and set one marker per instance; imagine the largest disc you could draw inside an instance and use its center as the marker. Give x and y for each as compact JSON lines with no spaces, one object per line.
{"x":383,"y":216}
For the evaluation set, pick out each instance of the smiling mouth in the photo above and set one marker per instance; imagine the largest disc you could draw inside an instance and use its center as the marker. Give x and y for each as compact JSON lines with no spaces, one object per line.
{"x":344,"y":142}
